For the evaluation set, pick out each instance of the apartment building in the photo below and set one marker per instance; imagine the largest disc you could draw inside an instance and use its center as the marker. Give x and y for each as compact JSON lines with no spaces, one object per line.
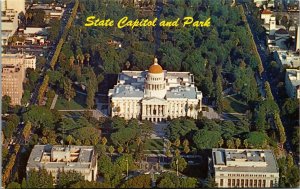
{"x":12,"y":82}
{"x":25,"y":60}
{"x":292,"y":82}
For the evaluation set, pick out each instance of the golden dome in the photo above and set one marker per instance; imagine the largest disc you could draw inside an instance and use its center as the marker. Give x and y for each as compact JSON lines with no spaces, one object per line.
{"x":155,"y":68}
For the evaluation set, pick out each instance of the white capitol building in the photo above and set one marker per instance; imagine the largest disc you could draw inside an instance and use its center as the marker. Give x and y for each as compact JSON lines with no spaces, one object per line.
{"x":155,"y":95}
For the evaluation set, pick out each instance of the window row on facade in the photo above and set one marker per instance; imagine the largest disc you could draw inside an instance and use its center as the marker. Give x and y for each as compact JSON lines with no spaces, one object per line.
{"x":260,"y":183}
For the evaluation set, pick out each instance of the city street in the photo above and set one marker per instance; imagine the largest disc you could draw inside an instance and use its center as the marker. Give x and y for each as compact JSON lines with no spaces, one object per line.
{"x":266,"y":76}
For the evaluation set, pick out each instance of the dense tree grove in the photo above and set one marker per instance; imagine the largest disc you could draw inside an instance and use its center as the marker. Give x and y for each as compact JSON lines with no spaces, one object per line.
{"x":222,"y":57}
{"x":171,"y":180}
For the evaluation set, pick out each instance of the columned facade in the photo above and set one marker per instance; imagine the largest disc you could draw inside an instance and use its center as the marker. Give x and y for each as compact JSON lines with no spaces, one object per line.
{"x":155,"y":95}
{"x":244,"y":168}
{"x":246,"y":180}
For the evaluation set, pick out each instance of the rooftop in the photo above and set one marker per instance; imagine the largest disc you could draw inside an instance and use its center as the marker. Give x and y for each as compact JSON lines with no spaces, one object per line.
{"x":282,"y":31}
{"x":244,"y":160}
{"x":58,"y":156}
{"x":292,"y":75}
{"x":131,"y":84}
{"x":265,"y":11}
{"x":289,"y":58}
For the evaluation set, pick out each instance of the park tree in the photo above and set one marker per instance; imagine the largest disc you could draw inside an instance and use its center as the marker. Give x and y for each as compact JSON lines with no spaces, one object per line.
{"x":185,"y":143}
{"x":103,"y":141}
{"x":118,"y":122}
{"x":256,"y":139}
{"x":280,"y":128}
{"x":269,"y":94}
{"x":205,"y":139}
{"x":186,"y":149}
{"x":177,"y":152}
{"x":237,"y":142}
{"x":56,"y":78}
{"x":9,"y":129}
{"x":104,"y":164}
{"x":27,"y":130}
{"x":166,"y":183}
{"x":171,"y":57}
{"x":180,"y":127}
{"x":177,"y":142}
{"x":168,"y":153}
{"x":207,"y":82}
{"x":171,"y":180}
{"x":67,"y":178}
{"x":230,"y":143}
{"x":69,"y":139}
{"x":6,"y":101}
{"x":245,"y":142}
{"x":179,"y":162}
{"x":120,"y":149}
{"x":124,"y":136}
{"x":221,"y":142}
{"x":90,"y":97}
{"x":14,"y":185}
{"x":138,"y":141}
{"x":69,"y":91}
{"x":43,"y":89}
{"x":219,"y":96}
{"x":124,"y":160}
{"x":90,"y":184}
{"x":39,"y":179}
{"x":290,"y":108}
{"x":87,"y":135}
{"x":111,"y":150}
{"x":295,"y":138}
{"x":141,"y":181}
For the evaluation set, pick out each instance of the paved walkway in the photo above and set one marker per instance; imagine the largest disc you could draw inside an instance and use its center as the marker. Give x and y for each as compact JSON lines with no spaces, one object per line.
{"x":96,"y":113}
{"x":211,"y":113}
{"x":159,"y":130}
{"x":54,"y":102}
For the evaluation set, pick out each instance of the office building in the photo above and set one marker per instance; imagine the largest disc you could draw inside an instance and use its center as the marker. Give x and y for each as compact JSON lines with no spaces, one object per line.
{"x":25,"y":60}
{"x":17,"y":5}
{"x":244,"y":168}
{"x":12,"y":82}
{"x":82,"y":159}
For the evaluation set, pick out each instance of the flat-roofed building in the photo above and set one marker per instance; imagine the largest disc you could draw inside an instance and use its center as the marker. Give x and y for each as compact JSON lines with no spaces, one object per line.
{"x":54,"y":159}
{"x":292,"y":82}
{"x":25,"y":60}
{"x":12,"y":82}
{"x":18,"y":5}
{"x":244,"y":168}
{"x":290,"y":59}
{"x":9,"y":24}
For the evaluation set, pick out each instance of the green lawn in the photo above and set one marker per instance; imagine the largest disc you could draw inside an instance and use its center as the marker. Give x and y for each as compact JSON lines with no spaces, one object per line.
{"x":77,"y":103}
{"x":151,"y":146}
{"x":154,"y":144}
{"x":233,"y":104}
{"x":235,"y":117}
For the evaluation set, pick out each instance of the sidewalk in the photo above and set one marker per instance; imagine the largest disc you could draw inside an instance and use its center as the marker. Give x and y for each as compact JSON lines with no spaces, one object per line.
{"x":54,"y":102}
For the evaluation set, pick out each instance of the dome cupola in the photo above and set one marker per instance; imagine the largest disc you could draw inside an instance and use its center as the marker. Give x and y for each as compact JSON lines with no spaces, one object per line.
{"x":155,"y":68}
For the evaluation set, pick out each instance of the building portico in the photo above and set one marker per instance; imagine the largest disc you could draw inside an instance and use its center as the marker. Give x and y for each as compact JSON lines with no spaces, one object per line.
{"x":154,"y":109}
{"x":155,"y":95}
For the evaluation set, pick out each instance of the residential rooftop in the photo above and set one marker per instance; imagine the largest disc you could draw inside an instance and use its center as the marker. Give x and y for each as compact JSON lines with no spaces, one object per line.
{"x":289,"y":58}
{"x":294,"y":76}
